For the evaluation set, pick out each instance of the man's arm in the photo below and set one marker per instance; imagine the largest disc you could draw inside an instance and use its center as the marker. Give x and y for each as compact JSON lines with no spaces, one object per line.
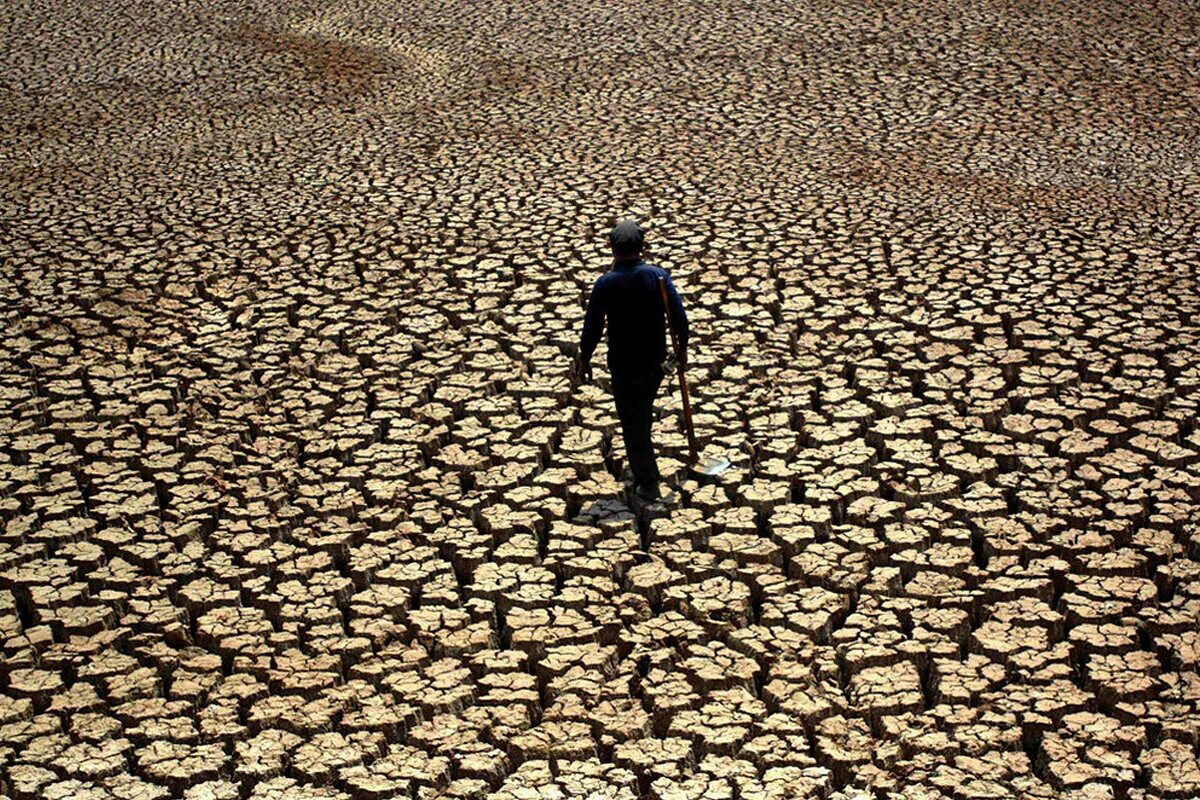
{"x":678,"y":319}
{"x":593,"y":326}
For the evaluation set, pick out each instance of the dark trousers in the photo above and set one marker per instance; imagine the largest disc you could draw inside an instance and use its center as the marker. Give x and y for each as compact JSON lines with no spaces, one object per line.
{"x":635,"y":392}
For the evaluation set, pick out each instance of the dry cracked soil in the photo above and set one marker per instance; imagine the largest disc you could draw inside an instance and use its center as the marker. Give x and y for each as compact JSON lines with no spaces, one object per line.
{"x":301,"y":499}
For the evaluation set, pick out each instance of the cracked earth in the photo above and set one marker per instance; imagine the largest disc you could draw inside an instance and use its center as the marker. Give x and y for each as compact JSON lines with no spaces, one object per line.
{"x":300,"y":498}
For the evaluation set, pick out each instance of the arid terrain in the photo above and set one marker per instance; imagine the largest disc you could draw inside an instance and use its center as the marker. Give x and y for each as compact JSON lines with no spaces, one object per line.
{"x":301,"y":497}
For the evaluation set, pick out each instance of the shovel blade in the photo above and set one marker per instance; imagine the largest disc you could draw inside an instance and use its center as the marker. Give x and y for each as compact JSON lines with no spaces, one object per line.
{"x":712,"y":467}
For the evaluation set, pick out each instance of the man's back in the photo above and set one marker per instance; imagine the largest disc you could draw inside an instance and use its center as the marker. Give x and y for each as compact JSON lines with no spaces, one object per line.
{"x":629,"y":298}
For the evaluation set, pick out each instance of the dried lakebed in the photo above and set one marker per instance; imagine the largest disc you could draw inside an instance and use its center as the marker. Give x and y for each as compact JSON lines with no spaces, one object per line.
{"x":300,"y":498}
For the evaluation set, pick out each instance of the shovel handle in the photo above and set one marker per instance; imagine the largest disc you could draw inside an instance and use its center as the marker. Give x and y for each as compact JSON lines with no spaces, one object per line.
{"x":683,"y":387}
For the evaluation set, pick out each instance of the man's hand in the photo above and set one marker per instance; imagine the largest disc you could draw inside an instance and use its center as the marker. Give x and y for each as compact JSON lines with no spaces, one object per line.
{"x":585,"y":373}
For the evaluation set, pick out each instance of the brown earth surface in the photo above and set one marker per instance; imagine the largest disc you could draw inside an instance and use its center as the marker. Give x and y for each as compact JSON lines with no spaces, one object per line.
{"x":300,"y":496}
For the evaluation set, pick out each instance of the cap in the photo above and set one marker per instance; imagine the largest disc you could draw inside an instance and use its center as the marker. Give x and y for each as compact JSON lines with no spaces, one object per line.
{"x":626,"y":237}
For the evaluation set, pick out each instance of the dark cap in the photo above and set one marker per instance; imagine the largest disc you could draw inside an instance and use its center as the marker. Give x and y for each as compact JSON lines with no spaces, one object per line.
{"x":626,"y":238}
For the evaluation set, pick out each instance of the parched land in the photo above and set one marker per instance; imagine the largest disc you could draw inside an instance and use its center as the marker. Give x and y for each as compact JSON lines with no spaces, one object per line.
{"x":301,"y":498}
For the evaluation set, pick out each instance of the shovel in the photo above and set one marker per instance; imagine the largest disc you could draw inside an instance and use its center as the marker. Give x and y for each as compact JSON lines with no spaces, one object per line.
{"x":709,"y":467}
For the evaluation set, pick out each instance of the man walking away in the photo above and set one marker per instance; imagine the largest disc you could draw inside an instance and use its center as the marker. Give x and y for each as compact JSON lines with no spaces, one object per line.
{"x":628,"y":296}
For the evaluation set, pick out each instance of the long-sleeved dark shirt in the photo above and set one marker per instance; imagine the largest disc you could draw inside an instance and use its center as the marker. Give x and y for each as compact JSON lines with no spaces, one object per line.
{"x":629,"y":298}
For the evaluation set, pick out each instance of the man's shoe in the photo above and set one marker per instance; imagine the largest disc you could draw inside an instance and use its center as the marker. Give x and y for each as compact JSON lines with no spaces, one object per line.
{"x":650,"y":492}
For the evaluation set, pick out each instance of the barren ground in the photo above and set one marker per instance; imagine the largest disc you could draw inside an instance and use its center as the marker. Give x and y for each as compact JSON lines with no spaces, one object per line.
{"x":299,"y":497}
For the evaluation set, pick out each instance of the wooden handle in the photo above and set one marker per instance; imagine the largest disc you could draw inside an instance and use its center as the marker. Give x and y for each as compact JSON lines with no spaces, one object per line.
{"x":687,"y":406}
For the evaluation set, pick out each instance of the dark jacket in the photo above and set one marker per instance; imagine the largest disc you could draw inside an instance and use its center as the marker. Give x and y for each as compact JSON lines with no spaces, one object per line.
{"x":629,"y":298}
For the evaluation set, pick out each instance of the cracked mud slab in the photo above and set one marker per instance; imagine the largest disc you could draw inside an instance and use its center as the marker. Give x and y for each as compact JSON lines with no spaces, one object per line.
{"x":299,"y":497}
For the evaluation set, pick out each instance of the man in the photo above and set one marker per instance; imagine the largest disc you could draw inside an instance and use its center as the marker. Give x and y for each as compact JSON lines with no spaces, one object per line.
{"x":628,"y":296}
